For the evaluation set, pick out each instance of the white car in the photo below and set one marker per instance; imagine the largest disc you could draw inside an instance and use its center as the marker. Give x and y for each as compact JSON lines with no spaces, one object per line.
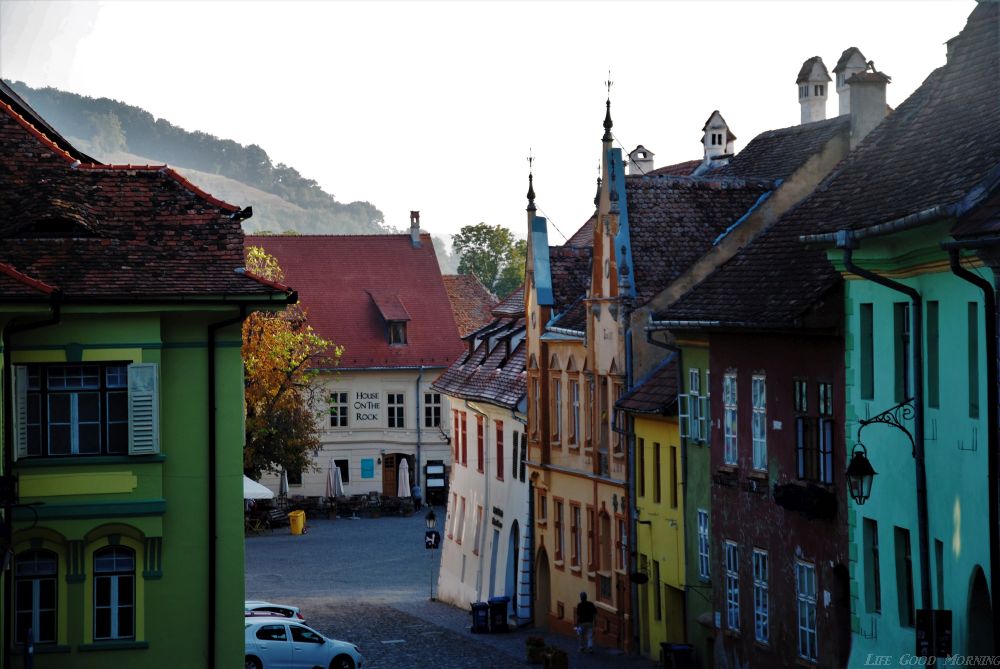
{"x":283,"y":610}
{"x":280,"y":643}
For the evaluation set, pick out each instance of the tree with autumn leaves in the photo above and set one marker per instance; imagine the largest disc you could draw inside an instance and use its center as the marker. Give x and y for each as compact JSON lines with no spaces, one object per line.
{"x":281,"y":353}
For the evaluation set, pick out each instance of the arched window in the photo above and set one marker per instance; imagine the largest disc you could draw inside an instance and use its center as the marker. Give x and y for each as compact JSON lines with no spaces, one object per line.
{"x":114,"y":593}
{"x":35,"y":595}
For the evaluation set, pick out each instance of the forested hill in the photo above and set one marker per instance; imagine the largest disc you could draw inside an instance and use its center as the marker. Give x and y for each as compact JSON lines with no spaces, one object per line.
{"x":283,"y":200}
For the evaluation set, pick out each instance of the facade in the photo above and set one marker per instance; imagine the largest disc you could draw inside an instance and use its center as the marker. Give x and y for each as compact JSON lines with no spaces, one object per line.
{"x":121,"y":299}
{"x":381,"y":298}
{"x":487,"y":540}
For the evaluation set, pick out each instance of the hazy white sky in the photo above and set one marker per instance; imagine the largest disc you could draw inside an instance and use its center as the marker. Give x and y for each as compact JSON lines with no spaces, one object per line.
{"x":434,"y":105}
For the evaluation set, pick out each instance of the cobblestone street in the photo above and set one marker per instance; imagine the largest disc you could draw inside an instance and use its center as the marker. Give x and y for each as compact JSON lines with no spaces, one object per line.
{"x":368,"y":582}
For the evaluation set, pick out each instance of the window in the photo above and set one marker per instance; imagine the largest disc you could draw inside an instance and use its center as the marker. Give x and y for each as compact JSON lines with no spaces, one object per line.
{"x":732,"y":587}
{"x":35,"y":596}
{"x":590,"y":410}
{"x":480,"y":447}
{"x":867,"y":352}
{"x":729,"y":403}
{"x":696,"y":428}
{"x":455,"y":436}
{"x":761,"y":624}
{"x":574,"y":533}
{"x":758,"y":394}
{"x":345,"y":470}
{"x":904,"y":577}
{"x":825,"y":433}
{"x":657,"y":590}
{"x":973,"y":349}
{"x":805,"y":592}
{"x":272,"y":633}
{"x":814,"y":436}
{"x":574,"y":417}
{"x":556,"y":416}
{"x":642,"y":466}
{"x":524,"y":456}
{"x":499,"y":436}
{"x":804,"y":91}
{"x":74,"y":409}
{"x":453,"y":516}
{"x":703,"y":562}
{"x":396,"y":332}
{"x":460,"y":531}
{"x":604,"y":579}
{"x":114,"y":593}
{"x":657,"y":469}
{"x":294,"y":476}
{"x":873,"y":579}
{"x":557,"y":509}
{"x":622,"y":544}
{"x":619,"y":418}
{"x":542,"y":512}
{"x":432,"y":409}
{"x":339,"y":409}
{"x":479,"y":529}
{"x":464,"y":433}
{"x":901,"y":349}
{"x":536,"y":415}
{"x":673,"y":477}
{"x":394,"y":402}
{"x":818,"y":90}
{"x":304,"y":635}
{"x":591,"y":544}
{"x":933,"y":355}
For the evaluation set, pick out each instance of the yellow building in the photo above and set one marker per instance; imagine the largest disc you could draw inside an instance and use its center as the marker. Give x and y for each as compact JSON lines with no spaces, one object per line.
{"x":659,"y":500}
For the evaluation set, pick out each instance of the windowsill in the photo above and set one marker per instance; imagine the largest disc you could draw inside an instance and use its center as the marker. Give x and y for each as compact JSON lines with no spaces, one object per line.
{"x":42,"y":649}
{"x":606,"y":605}
{"x":576,"y":570}
{"x":803,"y":662}
{"x":760,"y":645}
{"x":618,"y":455}
{"x":113,"y":645}
{"x":573,"y":447}
{"x":757,"y":474}
{"x":542,"y":522}
{"x":559,"y":564}
{"x":735,"y":634}
{"x":728,"y":469}
{"x":89,"y":460}
{"x":591,"y":574}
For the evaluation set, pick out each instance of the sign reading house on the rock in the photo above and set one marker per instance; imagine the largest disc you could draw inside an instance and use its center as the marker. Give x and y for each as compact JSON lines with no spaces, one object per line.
{"x":367,"y":408}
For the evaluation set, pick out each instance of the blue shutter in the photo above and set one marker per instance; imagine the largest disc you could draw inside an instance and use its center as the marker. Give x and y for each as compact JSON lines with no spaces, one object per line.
{"x":143,"y":409}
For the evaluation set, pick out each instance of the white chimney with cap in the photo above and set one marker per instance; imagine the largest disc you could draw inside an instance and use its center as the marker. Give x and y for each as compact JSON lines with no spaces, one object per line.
{"x":415,"y":229}
{"x":812,"y":81}
{"x":851,"y":62}
{"x":868,"y":106}
{"x":640,"y":161}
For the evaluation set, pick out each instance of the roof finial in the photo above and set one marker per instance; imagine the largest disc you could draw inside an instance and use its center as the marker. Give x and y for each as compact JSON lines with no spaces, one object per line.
{"x":607,"y":115}
{"x":531,"y":182}
{"x":597,"y":197}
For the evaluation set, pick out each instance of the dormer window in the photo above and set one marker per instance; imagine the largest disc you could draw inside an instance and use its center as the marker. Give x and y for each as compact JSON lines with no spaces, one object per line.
{"x":818,"y":90}
{"x":717,"y":139}
{"x":397,"y":332}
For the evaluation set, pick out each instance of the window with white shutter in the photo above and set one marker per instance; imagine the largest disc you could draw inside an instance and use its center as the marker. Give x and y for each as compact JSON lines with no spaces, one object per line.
{"x":143,"y":409}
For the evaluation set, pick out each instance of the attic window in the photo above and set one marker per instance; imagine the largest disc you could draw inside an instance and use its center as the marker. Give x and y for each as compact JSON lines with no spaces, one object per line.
{"x":804,"y":91}
{"x":716,"y":139}
{"x":396,"y":331}
{"x":818,"y":90}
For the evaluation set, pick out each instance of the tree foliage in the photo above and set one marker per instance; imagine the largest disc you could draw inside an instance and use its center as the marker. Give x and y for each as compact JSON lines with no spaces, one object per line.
{"x":281,"y":354}
{"x":493,"y":255}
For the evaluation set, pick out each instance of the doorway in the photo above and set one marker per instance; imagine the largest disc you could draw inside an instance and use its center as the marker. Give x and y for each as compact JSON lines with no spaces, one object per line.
{"x":391,"y":463}
{"x":980,"y":616}
{"x":513,"y":560}
{"x":542,"y":592}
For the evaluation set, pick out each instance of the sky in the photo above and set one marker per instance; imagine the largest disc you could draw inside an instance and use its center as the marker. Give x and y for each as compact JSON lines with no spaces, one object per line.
{"x":435,"y":106}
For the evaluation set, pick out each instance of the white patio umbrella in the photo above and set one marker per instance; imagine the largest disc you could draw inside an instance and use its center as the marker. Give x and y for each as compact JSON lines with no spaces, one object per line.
{"x":330,"y":483}
{"x":403,"y":490}
{"x":254,"y":490}
{"x":338,"y":483}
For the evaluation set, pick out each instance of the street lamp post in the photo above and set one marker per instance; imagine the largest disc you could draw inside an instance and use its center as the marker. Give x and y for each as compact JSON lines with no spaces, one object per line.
{"x":430,"y":520}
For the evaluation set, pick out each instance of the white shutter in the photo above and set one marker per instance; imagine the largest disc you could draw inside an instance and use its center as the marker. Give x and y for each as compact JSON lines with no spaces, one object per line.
{"x":143,"y":409}
{"x":706,"y":421}
{"x":20,"y":380}
{"x":683,"y":414}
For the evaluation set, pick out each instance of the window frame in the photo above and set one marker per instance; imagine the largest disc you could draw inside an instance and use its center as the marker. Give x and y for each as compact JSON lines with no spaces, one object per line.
{"x":806,"y":601}
{"x":761,"y":597}
{"x":731,"y":563}
{"x":115,"y":578}
{"x":35,"y":580}
{"x":498,"y":434}
{"x":758,"y":397}
{"x":432,"y":409}
{"x":704,"y":546}
{"x":557,"y":524}
{"x":573,"y":438}
{"x":395,"y":404}
{"x":730,"y":419}
{"x":340,"y":408}
{"x":576,"y":542}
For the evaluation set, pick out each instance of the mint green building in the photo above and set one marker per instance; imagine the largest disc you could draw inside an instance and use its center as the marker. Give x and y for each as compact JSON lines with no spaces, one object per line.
{"x":121,"y":303}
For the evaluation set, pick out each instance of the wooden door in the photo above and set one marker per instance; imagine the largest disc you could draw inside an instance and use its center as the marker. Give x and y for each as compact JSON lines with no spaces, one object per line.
{"x":389,"y":475}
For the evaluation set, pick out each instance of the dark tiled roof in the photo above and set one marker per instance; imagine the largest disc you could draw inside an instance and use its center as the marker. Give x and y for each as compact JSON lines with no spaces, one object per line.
{"x":584,"y":236}
{"x":656,"y":393}
{"x":18,"y":104}
{"x":776,"y":154}
{"x":336,"y":274}
{"x":673,"y":221}
{"x":983,"y":220}
{"x":921,"y":156}
{"x":471,"y":303}
{"x":684,"y":169}
{"x":846,"y":56}
{"x":494,"y":371}
{"x":570,"y":275}
{"x":807,"y":67}
{"x":512,"y":305}
{"x":113,"y":231}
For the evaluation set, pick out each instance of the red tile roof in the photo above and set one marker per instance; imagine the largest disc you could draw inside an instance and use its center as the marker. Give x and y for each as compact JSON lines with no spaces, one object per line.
{"x":13,"y":282}
{"x":584,"y":236}
{"x":112,"y":231}
{"x":494,"y":370}
{"x":336,"y":275}
{"x":512,"y":305}
{"x":471,"y":303}
{"x":656,"y":393}
{"x":684,"y":169}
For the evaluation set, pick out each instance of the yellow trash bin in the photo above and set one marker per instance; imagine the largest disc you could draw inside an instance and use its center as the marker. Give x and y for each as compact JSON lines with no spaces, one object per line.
{"x":297,"y":521}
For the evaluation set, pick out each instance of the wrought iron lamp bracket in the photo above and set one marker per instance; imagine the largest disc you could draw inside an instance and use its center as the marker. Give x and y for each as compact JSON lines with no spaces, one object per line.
{"x":893,"y":417}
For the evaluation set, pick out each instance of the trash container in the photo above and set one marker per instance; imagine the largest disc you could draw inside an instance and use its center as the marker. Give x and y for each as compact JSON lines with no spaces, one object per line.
{"x":297,"y":521}
{"x":480,"y":617}
{"x":677,"y":655}
{"x":498,"y":614}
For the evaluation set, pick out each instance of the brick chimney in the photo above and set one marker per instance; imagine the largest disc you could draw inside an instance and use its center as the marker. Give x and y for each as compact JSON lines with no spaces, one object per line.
{"x":868,"y":106}
{"x":415,"y":229}
{"x":640,"y":161}
{"x":812,"y":82}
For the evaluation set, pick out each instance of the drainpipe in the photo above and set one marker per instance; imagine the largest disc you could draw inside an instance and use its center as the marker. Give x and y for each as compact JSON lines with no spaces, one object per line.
{"x":213,"y":511}
{"x":990,"y":316}
{"x":633,"y":513}
{"x":8,"y":457}
{"x":416,"y":468}
{"x":846,"y":242}
{"x":486,"y":498}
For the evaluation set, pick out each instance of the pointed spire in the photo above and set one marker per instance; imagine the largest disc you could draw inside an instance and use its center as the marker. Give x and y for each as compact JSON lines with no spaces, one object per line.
{"x":597,"y":197}
{"x":607,"y":116}
{"x":531,"y":184}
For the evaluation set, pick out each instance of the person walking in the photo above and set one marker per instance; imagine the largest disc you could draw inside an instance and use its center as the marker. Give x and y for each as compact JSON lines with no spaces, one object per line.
{"x":586,"y":612}
{"x":415,"y":492}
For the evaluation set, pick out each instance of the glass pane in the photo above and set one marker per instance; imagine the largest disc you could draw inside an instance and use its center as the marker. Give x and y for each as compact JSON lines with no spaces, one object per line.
{"x":88,"y":407}
{"x":46,"y":627}
{"x":23,"y":621}
{"x":102,"y":623}
{"x":23,"y":599}
{"x":116,"y":376}
{"x":126,"y":591}
{"x":305,"y":635}
{"x":117,"y":407}
{"x":125,"y":623}
{"x":272,"y":633}
{"x":47,"y":593}
{"x":89,"y":438}
{"x":118,"y":438}
{"x":59,"y":440}
{"x":102,"y":591}
{"x":59,"y":408}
